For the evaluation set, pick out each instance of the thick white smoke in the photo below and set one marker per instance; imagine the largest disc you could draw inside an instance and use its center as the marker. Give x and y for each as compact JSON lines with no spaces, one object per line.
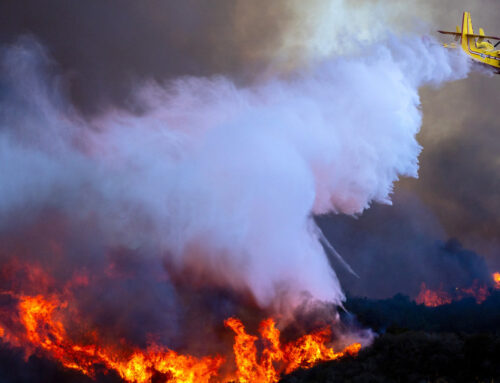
{"x":221,"y":180}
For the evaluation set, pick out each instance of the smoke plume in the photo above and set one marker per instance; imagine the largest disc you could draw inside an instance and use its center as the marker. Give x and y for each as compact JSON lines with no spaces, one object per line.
{"x":219,"y":180}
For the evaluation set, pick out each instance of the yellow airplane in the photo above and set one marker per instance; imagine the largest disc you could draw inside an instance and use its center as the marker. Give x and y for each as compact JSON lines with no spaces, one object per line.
{"x":474,"y":45}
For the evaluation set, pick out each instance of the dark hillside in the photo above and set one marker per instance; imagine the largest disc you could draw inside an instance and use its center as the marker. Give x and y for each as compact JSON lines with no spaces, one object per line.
{"x":414,"y":357}
{"x":454,"y":343}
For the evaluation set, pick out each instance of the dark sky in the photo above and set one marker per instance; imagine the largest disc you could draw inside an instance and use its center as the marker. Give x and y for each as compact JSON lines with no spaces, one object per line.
{"x":105,"y":48}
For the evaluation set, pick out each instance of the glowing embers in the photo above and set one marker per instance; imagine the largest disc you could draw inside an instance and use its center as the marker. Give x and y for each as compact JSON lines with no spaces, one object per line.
{"x":275,"y":359}
{"x":41,"y":327}
{"x":439,"y":297}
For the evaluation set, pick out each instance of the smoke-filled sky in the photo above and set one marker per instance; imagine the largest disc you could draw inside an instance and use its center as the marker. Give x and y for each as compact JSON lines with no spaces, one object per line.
{"x":109,"y":69}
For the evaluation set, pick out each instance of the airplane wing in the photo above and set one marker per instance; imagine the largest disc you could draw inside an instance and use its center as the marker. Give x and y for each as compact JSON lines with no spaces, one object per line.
{"x":450,"y":33}
{"x":469,"y":35}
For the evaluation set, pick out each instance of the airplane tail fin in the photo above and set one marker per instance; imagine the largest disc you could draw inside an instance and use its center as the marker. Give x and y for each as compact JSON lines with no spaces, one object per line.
{"x":465,"y":23}
{"x":466,"y":29}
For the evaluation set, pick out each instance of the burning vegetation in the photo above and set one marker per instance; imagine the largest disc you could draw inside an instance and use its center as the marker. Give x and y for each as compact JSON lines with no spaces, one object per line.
{"x":305,"y":352}
{"x":50,"y":326}
{"x":454,"y":342}
{"x":438,"y":297}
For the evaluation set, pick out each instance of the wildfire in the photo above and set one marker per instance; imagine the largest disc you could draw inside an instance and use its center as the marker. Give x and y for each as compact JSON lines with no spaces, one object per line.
{"x":439,"y":297}
{"x":496,"y":278}
{"x":43,"y":330}
{"x":479,"y":292}
{"x":432,"y":298}
{"x":305,"y":352}
{"x":42,"y":319}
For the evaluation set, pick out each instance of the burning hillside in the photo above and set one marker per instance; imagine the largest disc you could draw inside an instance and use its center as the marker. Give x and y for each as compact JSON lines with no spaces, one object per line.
{"x":441,"y":296}
{"x":434,"y":298}
{"x":51,"y":325}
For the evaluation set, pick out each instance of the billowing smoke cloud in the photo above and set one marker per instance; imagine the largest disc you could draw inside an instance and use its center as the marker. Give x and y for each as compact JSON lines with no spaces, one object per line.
{"x":222,"y":180}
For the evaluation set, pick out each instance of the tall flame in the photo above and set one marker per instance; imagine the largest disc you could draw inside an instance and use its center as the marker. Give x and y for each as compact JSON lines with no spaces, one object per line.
{"x":305,"y":352}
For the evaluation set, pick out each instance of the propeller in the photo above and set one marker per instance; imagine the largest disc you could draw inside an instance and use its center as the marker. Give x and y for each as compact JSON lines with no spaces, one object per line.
{"x":497,"y":44}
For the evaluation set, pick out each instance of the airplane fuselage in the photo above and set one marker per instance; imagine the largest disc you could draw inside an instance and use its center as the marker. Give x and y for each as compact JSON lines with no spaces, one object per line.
{"x":474,"y":45}
{"x":474,"y":50}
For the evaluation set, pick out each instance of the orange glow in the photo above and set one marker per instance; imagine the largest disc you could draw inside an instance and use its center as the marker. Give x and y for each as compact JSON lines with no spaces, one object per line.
{"x":432,"y":298}
{"x":439,"y":297}
{"x":42,"y":329}
{"x":496,"y":278}
{"x":479,"y":292}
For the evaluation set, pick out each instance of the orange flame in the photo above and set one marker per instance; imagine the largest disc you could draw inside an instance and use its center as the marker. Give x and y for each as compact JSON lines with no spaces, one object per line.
{"x":305,"y":352}
{"x":432,"y":298}
{"x":496,"y":279}
{"x":439,"y":297}
{"x":46,"y":332}
{"x":43,"y":329}
{"x":310,"y":349}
